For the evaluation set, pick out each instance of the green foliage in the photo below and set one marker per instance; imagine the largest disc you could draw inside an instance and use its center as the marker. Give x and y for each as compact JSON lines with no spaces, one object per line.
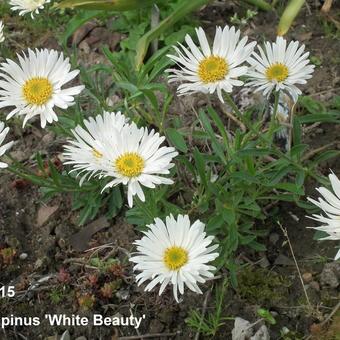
{"x":116,"y":5}
{"x":265,"y":314}
{"x":102,"y":265}
{"x":210,"y":323}
{"x":262,"y":287}
{"x":242,"y":21}
{"x":291,"y":11}
{"x":225,"y":177}
{"x":56,"y":295}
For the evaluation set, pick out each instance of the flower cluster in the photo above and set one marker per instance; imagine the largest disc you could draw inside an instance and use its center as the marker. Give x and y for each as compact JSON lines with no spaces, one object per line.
{"x":218,"y":68}
{"x":112,"y":148}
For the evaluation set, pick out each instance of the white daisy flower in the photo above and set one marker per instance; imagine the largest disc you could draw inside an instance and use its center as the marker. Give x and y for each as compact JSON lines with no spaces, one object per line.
{"x":331,"y":206}
{"x":86,"y":153}
{"x":4,"y":148}
{"x":2,"y":38}
{"x":34,"y":87}
{"x":174,"y":253}
{"x":280,"y":67}
{"x":28,"y":6}
{"x":135,"y":158}
{"x":211,"y":69}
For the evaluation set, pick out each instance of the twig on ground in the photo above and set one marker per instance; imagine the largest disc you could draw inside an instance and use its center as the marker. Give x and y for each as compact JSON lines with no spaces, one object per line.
{"x":312,"y":153}
{"x":335,"y":89}
{"x":148,"y":336}
{"x":326,"y":6}
{"x":290,"y":130}
{"x":285,"y":233}
{"x":217,"y":277}
{"x":232,"y":117}
{"x":309,"y":128}
{"x":334,"y":310}
{"x":204,"y":309}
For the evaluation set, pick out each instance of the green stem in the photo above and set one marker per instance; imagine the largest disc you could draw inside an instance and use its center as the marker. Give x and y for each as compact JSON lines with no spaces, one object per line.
{"x":272,"y":123}
{"x":231,"y":102}
{"x":276,"y":102}
{"x":23,"y":172}
{"x":250,"y":127}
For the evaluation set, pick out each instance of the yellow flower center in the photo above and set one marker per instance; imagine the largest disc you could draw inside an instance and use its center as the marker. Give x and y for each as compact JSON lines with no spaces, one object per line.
{"x":278,"y":72}
{"x":97,"y":154}
{"x":212,"y":69}
{"x":130,"y":164}
{"x":37,"y":91}
{"x":175,"y":257}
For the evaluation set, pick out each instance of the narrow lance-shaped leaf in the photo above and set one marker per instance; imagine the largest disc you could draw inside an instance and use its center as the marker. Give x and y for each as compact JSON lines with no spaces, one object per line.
{"x":261,"y":4}
{"x":182,"y":9}
{"x":114,"y":5}
{"x":291,"y":11}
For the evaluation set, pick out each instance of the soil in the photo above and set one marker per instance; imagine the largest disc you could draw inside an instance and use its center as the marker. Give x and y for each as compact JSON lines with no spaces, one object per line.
{"x":51,"y":276}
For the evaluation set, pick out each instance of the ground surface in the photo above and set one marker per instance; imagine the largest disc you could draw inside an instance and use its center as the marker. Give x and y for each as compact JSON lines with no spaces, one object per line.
{"x":51,"y":276}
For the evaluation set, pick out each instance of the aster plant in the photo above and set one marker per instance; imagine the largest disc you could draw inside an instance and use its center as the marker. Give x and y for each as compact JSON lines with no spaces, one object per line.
{"x":210,"y":160}
{"x":123,"y":153}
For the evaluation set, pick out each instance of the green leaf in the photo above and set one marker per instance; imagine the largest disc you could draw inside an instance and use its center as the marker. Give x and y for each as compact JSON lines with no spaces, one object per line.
{"x":200,"y":166}
{"x":261,"y":4}
{"x":265,"y":314}
{"x":232,"y":240}
{"x":257,"y":246}
{"x":115,"y":5}
{"x":298,"y":149}
{"x":40,"y":162}
{"x":291,"y":11}
{"x":291,"y":187}
{"x":320,"y":117}
{"x":54,"y":173}
{"x":253,"y":152}
{"x":177,"y":140}
{"x":215,"y":223}
{"x":182,"y":9}
{"x":312,"y":105}
{"x":319,"y":234}
{"x":297,"y":131}
{"x":214,"y":142}
{"x":281,"y":173}
{"x":221,"y":128}
{"x":77,"y":21}
{"x":300,"y":178}
{"x":325,"y":155}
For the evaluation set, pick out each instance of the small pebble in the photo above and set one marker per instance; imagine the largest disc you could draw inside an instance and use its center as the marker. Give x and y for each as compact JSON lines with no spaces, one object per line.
{"x":23,"y":256}
{"x":264,"y":263}
{"x":273,"y":238}
{"x":307,"y":277}
{"x":315,"y":285}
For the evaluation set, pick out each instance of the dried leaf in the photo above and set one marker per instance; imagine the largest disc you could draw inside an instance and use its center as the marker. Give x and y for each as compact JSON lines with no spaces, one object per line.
{"x":44,"y":213}
{"x":80,"y":240}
